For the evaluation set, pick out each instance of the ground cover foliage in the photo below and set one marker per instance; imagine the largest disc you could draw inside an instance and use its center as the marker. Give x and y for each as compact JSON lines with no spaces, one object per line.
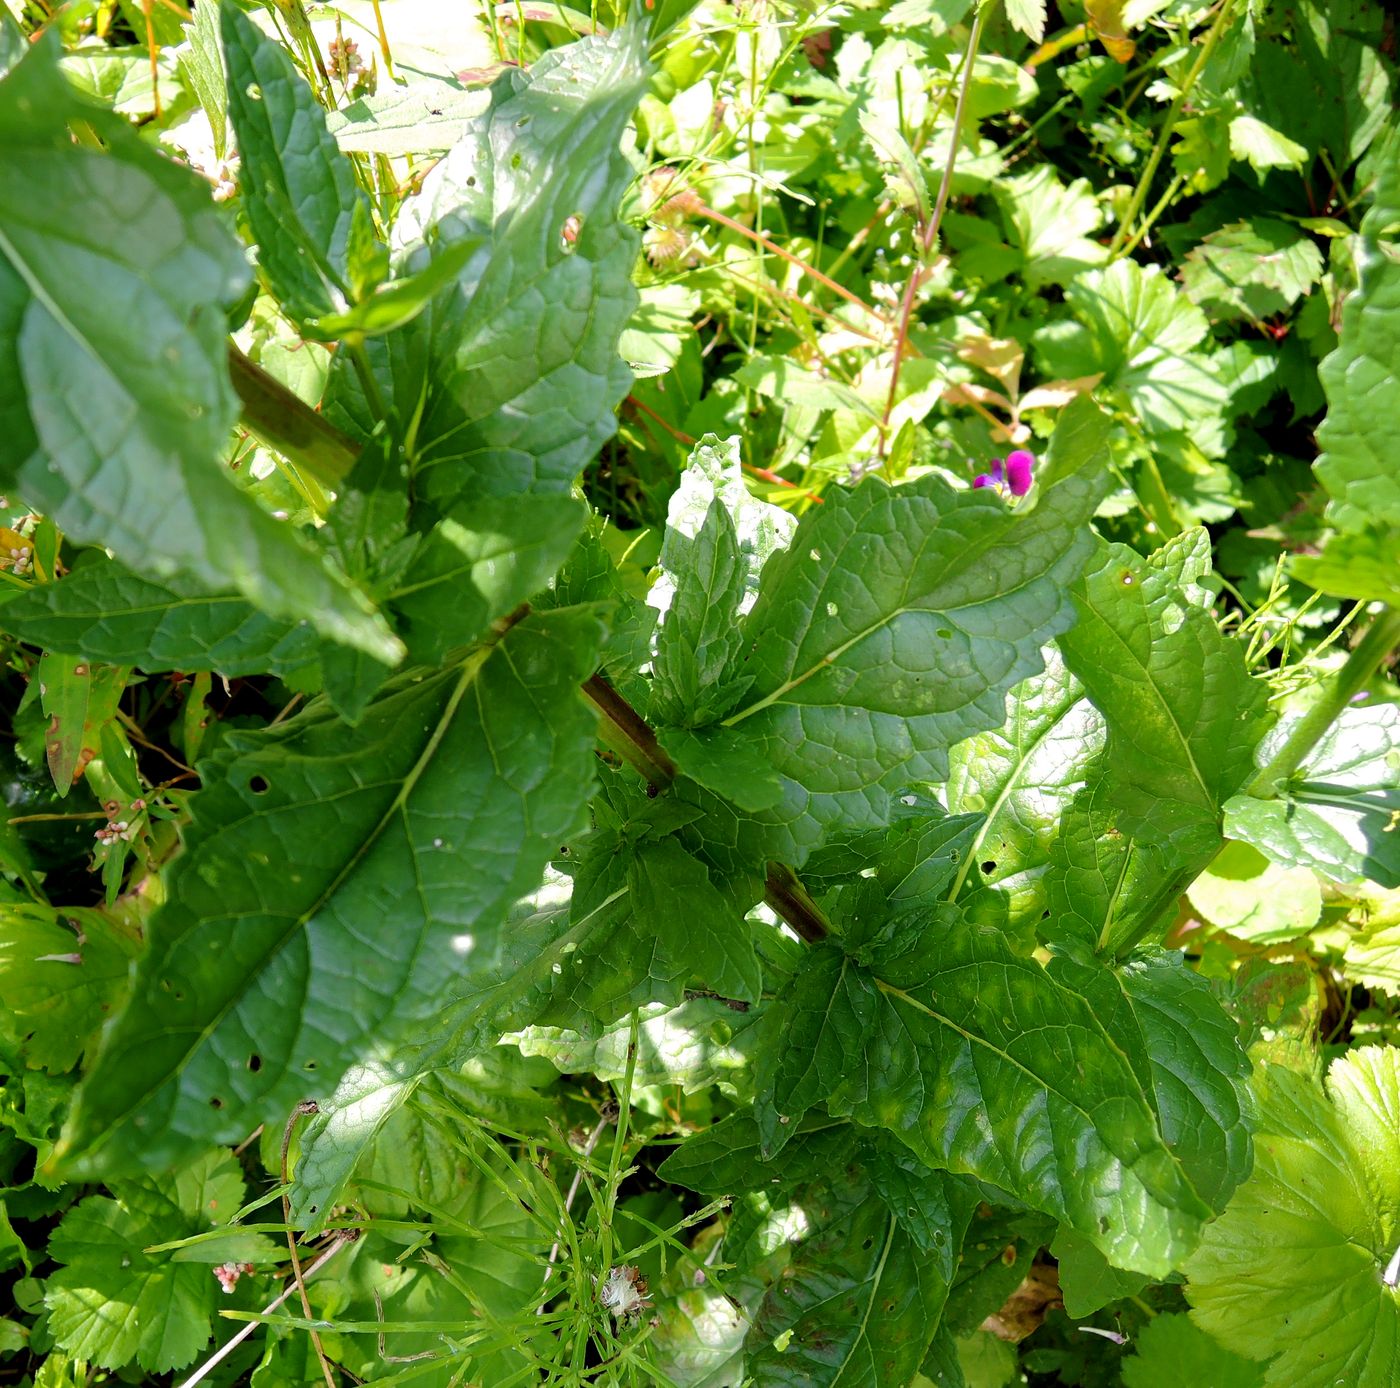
{"x":700,"y":696}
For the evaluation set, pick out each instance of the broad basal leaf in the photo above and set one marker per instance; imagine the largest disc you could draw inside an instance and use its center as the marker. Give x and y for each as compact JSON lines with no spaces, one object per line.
{"x":892,"y":627}
{"x":331,"y":888}
{"x":115,"y":402}
{"x":1338,"y":813}
{"x":104,"y":611}
{"x":1292,"y":1273}
{"x":512,"y":378}
{"x":983,"y":1063}
{"x":299,"y":191}
{"x":1252,"y":269}
{"x":1172,"y":1349}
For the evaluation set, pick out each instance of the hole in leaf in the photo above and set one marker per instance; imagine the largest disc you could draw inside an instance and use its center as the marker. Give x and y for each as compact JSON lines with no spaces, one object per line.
{"x":258,"y":785}
{"x":216,"y":1102}
{"x":255,"y":1063}
{"x":868,"y":1241}
{"x":989,"y":866}
{"x":310,"y":1065}
{"x":311,"y":1209}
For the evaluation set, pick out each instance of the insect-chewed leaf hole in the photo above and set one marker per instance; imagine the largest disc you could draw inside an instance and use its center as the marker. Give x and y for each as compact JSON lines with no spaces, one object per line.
{"x":255,"y":1062}
{"x":258,"y":785}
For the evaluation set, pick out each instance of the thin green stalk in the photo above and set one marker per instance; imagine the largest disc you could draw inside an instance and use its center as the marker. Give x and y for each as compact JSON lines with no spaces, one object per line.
{"x":1149,"y":221}
{"x":1164,"y":135}
{"x":930,"y":231}
{"x":1382,"y":637}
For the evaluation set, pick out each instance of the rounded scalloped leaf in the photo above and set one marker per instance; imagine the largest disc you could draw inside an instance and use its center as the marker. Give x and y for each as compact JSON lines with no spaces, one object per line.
{"x":1294,"y":1271}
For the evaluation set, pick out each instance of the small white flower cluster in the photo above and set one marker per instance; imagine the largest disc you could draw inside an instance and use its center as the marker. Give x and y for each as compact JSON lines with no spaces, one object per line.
{"x":18,"y":560}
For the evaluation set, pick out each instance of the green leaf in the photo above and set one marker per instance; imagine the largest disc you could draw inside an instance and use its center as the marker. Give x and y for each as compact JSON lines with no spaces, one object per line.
{"x":478,"y":565}
{"x":893,"y":626}
{"x":1173,"y":1349}
{"x":299,"y":191}
{"x":854,"y":1303}
{"x":427,"y":115}
{"x":1143,"y":332}
{"x":105,"y":612}
{"x":513,"y":377}
{"x":1263,"y":147}
{"x":1292,"y":1272}
{"x":77,"y":700}
{"x":973,"y":1057}
{"x":202,"y":69}
{"x":1051,"y":224}
{"x":1183,"y":713}
{"x":1255,"y":899}
{"x":121,"y":447}
{"x":112,"y":1302}
{"x":932,"y":1207}
{"x":1023,"y":777}
{"x":703,"y":1042}
{"x":1186,"y":1051}
{"x":785,"y":381}
{"x":61,"y":974}
{"x":397,"y":303}
{"x":1088,"y":1281}
{"x":1337,"y":814}
{"x":1028,"y":16}
{"x":1251,"y":269}
{"x":674,"y":898}
{"x":1353,"y":564}
{"x":272,"y":960}
{"x":727,"y":1157}
{"x":1362,"y":383}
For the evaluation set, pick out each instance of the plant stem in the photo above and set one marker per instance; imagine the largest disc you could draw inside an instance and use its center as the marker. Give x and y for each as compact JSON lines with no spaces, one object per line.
{"x":1164,"y":134}
{"x":625,"y":731}
{"x":775,"y":249}
{"x":930,"y":230}
{"x":288,"y":424}
{"x":1382,"y":637}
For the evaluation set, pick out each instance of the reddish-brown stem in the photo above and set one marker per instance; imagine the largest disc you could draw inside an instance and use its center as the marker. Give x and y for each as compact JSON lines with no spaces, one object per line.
{"x":775,"y":249}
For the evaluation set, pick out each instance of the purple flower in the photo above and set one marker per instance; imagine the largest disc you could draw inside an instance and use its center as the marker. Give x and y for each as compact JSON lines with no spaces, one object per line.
{"x":1014,"y":475}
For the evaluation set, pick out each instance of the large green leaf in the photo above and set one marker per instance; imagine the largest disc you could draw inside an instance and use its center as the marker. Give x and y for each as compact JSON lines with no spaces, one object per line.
{"x":853,"y":1301}
{"x":1251,"y":269}
{"x":892,"y":627}
{"x":105,"y":612}
{"x":1293,"y":1271}
{"x":331,"y":890}
{"x":512,"y":378}
{"x":299,"y":191}
{"x":1171,"y":1349}
{"x":1023,"y":776}
{"x":1337,"y":814}
{"x":1183,"y":714}
{"x":121,"y":444}
{"x":984,"y":1063}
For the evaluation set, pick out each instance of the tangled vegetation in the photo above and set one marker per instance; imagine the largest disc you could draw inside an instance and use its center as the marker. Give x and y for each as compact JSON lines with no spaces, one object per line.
{"x":700,"y":693}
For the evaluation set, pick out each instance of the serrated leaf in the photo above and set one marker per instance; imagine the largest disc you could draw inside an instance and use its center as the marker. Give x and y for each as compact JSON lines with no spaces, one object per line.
{"x":975,"y":1058}
{"x":1028,"y":16}
{"x":259,"y":979}
{"x":932,"y":1207}
{"x":110,"y":1301}
{"x":61,"y":973}
{"x":1183,"y":713}
{"x":1361,"y":380}
{"x":892,"y":627}
{"x":1262,"y":147}
{"x":1172,"y":1348}
{"x":299,"y":191}
{"x":1337,"y":815}
{"x":727,"y":1157}
{"x":117,"y":445}
{"x":77,"y":698}
{"x":107,"y":613}
{"x":1251,"y":269}
{"x":1052,"y":224}
{"x":202,"y":68}
{"x":1292,"y":1272}
{"x":1186,"y":1051}
{"x":513,"y":376}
